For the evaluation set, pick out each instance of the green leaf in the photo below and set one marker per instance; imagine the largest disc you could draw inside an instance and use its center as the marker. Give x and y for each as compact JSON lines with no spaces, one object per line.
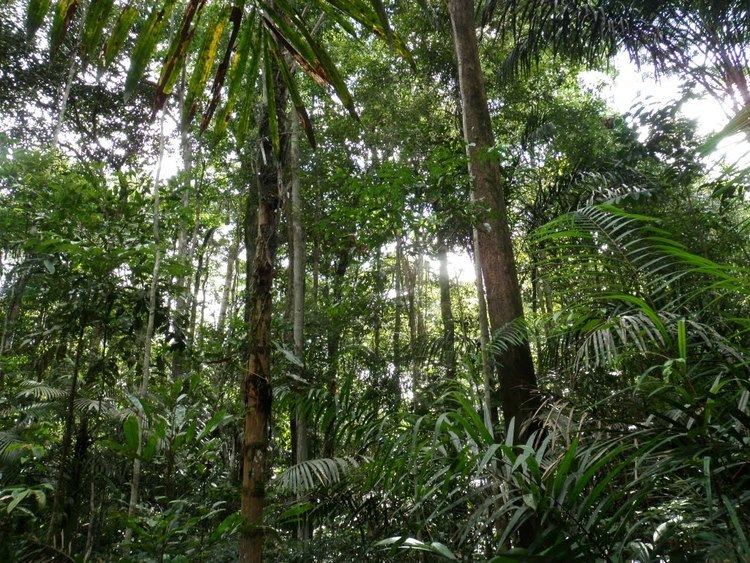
{"x":435,"y":547}
{"x":682,"y":340}
{"x":204,"y":63}
{"x":270,"y":91}
{"x":227,"y":525}
{"x":739,"y":123}
{"x":17,"y":496}
{"x":131,"y":429}
{"x":289,"y":356}
{"x":96,"y":18}
{"x":246,"y":44}
{"x":149,"y":448}
{"x":214,"y":422}
{"x":64,"y":13}
{"x":235,"y":17}
{"x":116,"y":40}
{"x":177,"y":51}
{"x":35,"y":14}
{"x":146,"y":43}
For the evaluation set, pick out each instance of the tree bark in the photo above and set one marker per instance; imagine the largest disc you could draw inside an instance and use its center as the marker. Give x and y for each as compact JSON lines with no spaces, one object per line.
{"x":180,"y":319}
{"x":257,"y":390}
{"x":446,"y":314}
{"x":302,"y":446}
{"x":146,"y":366}
{"x":397,"y":322}
{"x":228,"y":281}
{"x":517,"y":378}
{"x":490,"y":413}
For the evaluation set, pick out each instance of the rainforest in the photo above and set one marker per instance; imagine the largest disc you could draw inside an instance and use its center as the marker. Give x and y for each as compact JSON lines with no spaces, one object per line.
{"x":374,"y":280}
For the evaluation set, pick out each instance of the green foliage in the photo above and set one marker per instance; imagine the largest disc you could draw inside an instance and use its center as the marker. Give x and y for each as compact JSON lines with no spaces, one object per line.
{"x":631,"y":249}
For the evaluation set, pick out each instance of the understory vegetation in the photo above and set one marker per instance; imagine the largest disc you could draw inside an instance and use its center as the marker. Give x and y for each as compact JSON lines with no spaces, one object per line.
{"x":339,"y":280}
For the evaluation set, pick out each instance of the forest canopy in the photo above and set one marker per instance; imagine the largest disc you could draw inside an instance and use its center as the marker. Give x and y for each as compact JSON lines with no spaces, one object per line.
{"x":325,"y":280}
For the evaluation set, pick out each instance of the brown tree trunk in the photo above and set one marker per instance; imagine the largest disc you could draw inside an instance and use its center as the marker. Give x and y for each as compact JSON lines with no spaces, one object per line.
{"x":517,"y":378}
{"x":257,"y":390}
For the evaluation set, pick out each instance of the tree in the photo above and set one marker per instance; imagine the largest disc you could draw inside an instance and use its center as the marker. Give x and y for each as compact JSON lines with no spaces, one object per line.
{"x":504,"y":304}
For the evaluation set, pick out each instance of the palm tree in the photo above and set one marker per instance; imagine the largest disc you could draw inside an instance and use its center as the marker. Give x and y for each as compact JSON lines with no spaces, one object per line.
{"x":704,"y":41}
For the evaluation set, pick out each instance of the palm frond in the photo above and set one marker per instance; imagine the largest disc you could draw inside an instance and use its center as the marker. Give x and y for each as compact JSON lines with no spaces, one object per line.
{"x":322,"y":472}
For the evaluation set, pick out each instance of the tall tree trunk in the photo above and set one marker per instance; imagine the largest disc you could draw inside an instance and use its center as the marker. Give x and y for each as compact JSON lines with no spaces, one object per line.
{"x":88,"y":548}
{"x":234,"y":248}
{"x":302,"y":446}
{"x":14,"y":311}
{"x":180,"y":318}
{"x":201,"y":274}
{"x":446,"y":314}
{"x":61,"y":489}
{"x":72,"y":69}
{"x":517,"y":378}
{"x":334,"y":337}
{"x":146,"y":366}
{"x":257,"y":381}
{"x":397,"y":321}
{"x":377,"y":320}
{"x":490,"y":413}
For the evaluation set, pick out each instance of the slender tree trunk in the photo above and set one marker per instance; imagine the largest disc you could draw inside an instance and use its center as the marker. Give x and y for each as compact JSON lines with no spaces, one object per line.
{"x":180,"y":319}
{"x":146,"y":366}
{"x":72,"y":69}
{"x":257,"y":388}
{"x":201,"y":271}
{"x":14,"y":311}
{"x":228,"y":281}
{"x":410,"y":279}
{"x":334,"y":337}
{"x":61,"y":489}
{"x":490,"y":413}
{"x":397,"y":322}
{"x":517,"y":378}
{"x":92,"y":523}
{"x":446,"y":314}
{"x":204,"y":284}
{"x":298,"y":302}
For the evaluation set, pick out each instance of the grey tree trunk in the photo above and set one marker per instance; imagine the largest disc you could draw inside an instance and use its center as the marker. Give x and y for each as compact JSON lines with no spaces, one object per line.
{"x":232,"y":254}
{"x":146,"y":366}
{"x":298,"y":299}
{"x":397,"y":322}
{"x":484,"y":339}
{"x":72,"y":69}
{"x":446,"y":314}
{"x":181,"y":312}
